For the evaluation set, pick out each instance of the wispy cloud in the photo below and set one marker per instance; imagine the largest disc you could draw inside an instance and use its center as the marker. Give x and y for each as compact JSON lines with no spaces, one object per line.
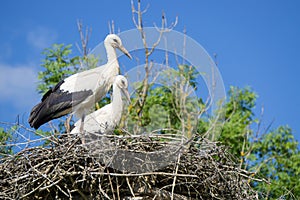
{"x":41,"y":37}
{"x":5,"y":50}
{"x":17,"y":87}
{"x":18,"y":81}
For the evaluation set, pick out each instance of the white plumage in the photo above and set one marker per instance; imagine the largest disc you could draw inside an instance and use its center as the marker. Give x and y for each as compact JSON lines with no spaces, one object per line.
{"x":79,"y":92}
{"x":104,"y":120}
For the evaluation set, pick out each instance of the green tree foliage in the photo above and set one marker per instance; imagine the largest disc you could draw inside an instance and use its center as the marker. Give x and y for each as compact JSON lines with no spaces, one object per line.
{"x":273,"y":156}
{"x":238,"y":117}
{"x":169,"y":105}
{"x":276,"y":157}
{"x":5,"y":138}
{"x":58,"y":65}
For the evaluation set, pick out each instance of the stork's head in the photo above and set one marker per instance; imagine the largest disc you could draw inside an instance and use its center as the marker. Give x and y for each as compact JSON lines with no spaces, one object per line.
{"x":114,"y":41}
{"x":122,"y":83}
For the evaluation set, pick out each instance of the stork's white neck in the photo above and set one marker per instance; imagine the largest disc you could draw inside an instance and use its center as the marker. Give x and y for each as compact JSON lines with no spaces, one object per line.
{"x":117,"y":103}
{"x":111,"y":54}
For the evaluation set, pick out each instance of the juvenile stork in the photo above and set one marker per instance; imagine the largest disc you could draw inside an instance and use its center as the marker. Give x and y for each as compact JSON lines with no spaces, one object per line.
{"x":78,"y":93}
{"x":104,"y":120}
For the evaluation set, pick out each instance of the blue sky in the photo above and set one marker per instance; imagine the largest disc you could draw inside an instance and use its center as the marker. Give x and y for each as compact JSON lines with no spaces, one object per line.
{"x":256,"y":42}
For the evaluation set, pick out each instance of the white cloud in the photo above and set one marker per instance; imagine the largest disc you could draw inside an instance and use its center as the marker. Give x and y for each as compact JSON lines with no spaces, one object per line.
{"x":5,"y":50}
{"x":18,"y":86}
{"x":41,"y":37}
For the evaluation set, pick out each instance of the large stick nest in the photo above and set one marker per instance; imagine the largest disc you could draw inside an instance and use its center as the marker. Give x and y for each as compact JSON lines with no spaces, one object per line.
{"x":131,"y":167}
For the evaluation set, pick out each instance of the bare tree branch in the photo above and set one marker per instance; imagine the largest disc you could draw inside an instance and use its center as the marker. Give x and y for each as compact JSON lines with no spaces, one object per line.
{"x":84,"y":38}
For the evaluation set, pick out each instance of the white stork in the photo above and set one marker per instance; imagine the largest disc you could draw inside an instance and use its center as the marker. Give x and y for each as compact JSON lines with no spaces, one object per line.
{"x":104,"y":120}
{"x":78,"y":93}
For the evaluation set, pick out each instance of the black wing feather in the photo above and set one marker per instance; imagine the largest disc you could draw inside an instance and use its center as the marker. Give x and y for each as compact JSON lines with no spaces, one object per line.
{"x":56,"y":88}
{"x":54,"y":104}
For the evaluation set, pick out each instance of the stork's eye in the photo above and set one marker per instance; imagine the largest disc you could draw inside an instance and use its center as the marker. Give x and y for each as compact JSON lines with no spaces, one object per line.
{"x":115,"y":40}
{"x":123,"y":82}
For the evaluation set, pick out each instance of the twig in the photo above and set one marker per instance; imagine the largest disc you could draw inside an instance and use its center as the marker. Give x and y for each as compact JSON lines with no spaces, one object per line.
{"x":130,"y":188}
{"x":111,"y":185}
{"x":174,"y":179}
